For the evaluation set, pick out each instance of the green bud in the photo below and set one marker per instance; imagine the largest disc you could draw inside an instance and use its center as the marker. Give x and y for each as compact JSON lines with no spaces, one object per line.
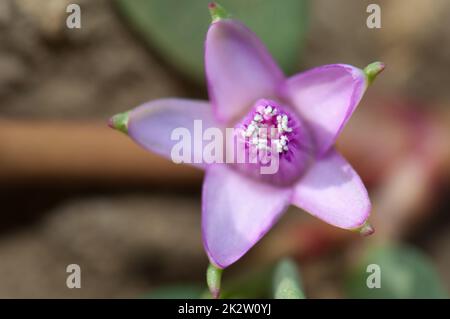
{"x":372,"y":70}
{"x":365,"y":230}
{"x":213,"y":279}
{"x":120,"y":122}
{"x":217,"y":12}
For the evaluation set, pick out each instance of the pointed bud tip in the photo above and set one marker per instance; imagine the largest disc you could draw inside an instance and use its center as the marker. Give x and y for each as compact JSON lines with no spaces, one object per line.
{"x":111,"y":122}
{"x":372,"y":70}
{"x":119,"y":122}
{"x":217,"y":12}
{"x":366,"y":230}
{"x":215,"y":293}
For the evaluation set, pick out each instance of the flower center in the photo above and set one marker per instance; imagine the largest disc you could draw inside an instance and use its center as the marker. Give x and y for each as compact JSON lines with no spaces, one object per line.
{"x":276,"y":144}
{"x":268,"y":128}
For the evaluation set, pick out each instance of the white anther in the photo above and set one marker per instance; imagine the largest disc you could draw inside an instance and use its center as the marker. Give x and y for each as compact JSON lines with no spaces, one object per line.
{"x":268,"y":110}
{"x":278,"y":147}
{"x":262,"y":146}
{"x":250,"y":130}
{"x":257,"y":117}
{"x":285,"y":127}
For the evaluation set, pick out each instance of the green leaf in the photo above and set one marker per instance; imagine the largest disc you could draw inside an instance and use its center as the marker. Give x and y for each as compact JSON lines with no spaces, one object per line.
{"x":176,"y":292}
{"x":177,"y":29}
{"x":404,"y":273}
{"x":286,"y":281}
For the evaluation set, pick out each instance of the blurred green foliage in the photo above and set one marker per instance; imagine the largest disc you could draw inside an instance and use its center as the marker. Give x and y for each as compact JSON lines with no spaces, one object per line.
{"x":281,"y":281}
{"x":177,"y":29}
{"x":187,"y":291}
{"x":286,"y":281}
{"x":405,"y":273}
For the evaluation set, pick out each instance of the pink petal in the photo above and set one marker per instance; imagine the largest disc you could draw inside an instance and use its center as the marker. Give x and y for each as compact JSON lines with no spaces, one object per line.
{"x":151,"y":124}
{"x":332,"y":191}
{"x":236,"y":213}
{"x":239,"y":69}
{"x":326,"y":97}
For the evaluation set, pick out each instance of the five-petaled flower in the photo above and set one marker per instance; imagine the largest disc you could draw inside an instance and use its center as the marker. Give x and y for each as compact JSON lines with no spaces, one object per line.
{"x":248,"y":91}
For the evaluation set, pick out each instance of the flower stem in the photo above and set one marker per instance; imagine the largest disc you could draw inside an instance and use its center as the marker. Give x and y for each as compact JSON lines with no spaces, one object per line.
{"x":213,"y":279}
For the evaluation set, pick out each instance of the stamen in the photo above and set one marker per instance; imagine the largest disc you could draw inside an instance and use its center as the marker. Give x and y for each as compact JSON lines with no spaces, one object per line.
{"x":268,"y":118}
{"x":257,"y":117}
{"x":276,"y":146}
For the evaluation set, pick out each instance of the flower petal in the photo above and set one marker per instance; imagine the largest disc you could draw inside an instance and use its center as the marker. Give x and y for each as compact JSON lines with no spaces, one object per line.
{"x":332,"y":191}
{"x":236,"y":213}
{"x":326,"y":98}
{"x":239,"y":69}
{"x":151,"y":125}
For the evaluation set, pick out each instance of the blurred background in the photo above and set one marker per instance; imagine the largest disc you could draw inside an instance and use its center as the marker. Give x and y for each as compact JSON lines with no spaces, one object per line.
{"x":75,"y":191}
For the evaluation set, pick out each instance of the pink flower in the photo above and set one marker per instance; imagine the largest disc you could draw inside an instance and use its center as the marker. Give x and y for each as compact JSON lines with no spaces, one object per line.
{"x":306,"y":112}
